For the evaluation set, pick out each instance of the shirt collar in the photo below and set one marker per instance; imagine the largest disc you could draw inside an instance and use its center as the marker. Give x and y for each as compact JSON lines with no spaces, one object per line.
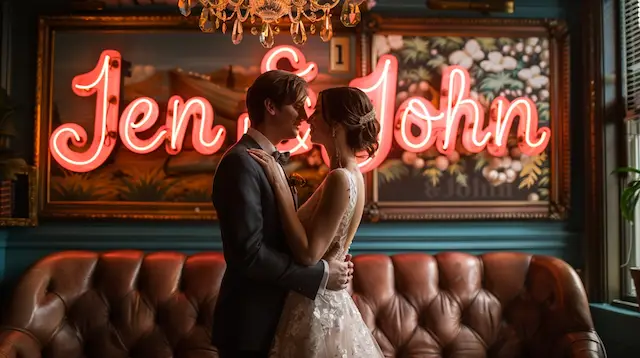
{"x":262,"y":141}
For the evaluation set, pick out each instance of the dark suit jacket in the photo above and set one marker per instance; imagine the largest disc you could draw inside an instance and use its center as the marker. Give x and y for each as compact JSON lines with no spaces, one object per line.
{"x":260,"y":270}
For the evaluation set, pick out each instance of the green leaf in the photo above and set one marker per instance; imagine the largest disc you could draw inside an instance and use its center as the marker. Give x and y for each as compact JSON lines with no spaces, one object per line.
{"x":419,"y":44}
{"x":461,"y":179}
{"x":543,"y":111}
{"x":447,"y":44}
{"x":436,"y":62}
{"x":505,"y":41}
{"x":544,"y":193}
{"x":487,"y":44}
{"x":630,"y":194}
{"x":391,"y":170}
{"x":415,"y":50}
{"x":626,"y":170}
{"x":481,"y":161}
{"x":495,"y":82}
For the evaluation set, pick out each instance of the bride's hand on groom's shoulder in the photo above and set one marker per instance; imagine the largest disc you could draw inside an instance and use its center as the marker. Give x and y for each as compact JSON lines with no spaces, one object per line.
{"x":270,"y":165}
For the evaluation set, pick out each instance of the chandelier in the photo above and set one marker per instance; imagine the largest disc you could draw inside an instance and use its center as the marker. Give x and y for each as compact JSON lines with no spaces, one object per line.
{"x":217,"y":13}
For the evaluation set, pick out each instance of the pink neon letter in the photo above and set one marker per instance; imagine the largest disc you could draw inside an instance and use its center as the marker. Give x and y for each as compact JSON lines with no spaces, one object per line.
{"x":421,"y":113}
{"x":501,"y":121}
{"x":380,"y":86}
{"x":308,"y":71}
{"x":244,"y":123}
{"x":148,"y":108}
{"x":209,"y":138}
{"x":441,"y":127}
{"x":457,"y":104}
{"x":104,"y":81}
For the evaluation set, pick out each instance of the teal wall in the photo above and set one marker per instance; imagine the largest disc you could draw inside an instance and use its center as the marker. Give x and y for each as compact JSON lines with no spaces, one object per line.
{"x":21,"y":247}
{"x":618,"y":328}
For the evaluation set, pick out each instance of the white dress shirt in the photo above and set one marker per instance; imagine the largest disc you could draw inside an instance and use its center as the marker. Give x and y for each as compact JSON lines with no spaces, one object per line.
{"x":268,"y":147}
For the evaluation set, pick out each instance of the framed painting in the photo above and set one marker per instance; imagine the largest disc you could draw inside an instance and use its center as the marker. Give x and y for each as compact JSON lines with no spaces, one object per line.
{"x":133,"y":113}
{"x":18,"y":199}
{"x":481,"y":122}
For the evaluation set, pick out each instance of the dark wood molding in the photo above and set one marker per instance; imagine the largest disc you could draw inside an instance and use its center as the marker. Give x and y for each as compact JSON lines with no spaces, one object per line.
{"x":5,"y":45}
{"x":592,"y":95}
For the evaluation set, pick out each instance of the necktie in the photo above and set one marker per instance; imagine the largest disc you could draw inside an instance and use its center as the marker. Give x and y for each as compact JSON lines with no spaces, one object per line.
{"x":281,"y":157}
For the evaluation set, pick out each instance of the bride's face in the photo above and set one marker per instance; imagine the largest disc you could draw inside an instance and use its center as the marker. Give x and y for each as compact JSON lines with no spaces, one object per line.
{"x":320,"y":130}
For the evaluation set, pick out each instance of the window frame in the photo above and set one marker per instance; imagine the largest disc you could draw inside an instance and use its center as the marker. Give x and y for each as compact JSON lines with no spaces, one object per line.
{"x":622,"y":238}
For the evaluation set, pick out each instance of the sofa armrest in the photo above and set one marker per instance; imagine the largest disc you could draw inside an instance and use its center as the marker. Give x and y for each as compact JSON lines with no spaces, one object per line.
{"x":583,"y":345}
{"x":17,"y":343}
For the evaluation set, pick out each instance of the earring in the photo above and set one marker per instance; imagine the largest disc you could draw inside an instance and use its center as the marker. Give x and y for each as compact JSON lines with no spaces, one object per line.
{"x":335,"y":144}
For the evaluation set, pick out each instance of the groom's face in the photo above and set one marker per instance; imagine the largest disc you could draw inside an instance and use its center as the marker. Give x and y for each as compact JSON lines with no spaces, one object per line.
{"x":288,"y":118}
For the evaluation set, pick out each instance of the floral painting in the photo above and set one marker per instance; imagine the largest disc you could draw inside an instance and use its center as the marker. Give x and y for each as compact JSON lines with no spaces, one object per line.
{"x":498,"y":66}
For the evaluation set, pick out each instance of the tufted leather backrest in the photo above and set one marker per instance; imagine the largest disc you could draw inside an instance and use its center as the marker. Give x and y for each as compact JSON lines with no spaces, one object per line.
{"x":128,"y":304}
{"x":119,"y":304}
{"x":459,"y":305}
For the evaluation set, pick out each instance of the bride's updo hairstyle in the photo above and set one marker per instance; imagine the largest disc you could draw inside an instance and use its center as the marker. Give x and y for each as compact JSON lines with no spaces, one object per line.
{"x":351,"y":108}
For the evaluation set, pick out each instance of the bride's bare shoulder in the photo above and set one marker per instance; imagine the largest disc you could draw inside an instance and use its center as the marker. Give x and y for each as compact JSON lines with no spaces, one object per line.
{"x":337,"y":181}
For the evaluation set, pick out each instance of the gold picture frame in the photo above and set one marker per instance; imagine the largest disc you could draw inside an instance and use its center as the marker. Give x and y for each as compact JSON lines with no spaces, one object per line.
{"x":52,"y":26}
{"x":559,"y":182}
{"x":31,"y":219}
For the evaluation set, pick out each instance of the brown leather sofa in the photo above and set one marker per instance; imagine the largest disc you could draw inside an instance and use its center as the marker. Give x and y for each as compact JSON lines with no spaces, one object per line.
{"x":128,"y":304}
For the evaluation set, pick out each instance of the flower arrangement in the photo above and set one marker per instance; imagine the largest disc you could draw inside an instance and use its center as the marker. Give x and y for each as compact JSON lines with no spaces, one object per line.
{"x":297,"y":181}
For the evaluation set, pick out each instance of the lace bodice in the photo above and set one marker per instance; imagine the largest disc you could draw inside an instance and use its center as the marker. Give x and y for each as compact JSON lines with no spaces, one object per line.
{"x":338,"y":248}
{"x":331,"y":325}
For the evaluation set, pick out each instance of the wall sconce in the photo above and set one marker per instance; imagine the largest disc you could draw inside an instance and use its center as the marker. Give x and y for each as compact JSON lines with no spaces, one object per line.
{"x":483,"y":6}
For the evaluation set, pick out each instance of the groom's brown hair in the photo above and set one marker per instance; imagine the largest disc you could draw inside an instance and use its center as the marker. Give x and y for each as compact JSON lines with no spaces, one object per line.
{"x":280,"y":87}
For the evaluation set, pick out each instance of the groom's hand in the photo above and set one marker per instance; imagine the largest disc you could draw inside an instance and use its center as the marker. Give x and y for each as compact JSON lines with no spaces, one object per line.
{"x":339,"y":275}
{"x":348,"y":261}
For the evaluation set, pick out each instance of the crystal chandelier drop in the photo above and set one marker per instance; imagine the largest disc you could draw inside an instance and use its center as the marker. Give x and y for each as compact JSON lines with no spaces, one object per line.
{"x":217,"y":13}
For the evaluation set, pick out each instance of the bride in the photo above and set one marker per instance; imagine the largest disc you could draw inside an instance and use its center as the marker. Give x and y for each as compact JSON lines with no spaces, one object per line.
{"x":329,"y":326}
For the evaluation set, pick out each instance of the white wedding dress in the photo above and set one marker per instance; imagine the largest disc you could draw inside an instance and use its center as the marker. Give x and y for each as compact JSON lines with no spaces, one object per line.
{"x":331,"y":325}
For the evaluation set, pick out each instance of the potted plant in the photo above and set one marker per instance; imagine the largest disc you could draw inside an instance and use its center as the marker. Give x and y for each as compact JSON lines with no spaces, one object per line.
{"x":628,"y":203}
{"x":10,"y":163}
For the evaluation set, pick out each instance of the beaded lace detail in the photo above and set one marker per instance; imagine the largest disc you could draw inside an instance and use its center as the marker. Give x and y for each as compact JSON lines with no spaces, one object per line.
{"x":331,"y":325}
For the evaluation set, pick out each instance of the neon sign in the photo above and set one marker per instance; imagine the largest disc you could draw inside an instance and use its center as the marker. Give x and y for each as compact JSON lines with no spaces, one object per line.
{"x":437,"y":127}
{"x":302,"y":68}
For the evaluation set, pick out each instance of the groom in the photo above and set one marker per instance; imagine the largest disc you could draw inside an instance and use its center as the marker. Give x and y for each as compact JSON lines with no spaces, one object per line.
{"x":260,"y":269}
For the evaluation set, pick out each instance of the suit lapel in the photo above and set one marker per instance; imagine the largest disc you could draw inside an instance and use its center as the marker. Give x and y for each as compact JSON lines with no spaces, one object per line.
{"x":292,"y":188}
{"x":249,"y":142}
{"x":294,"y":193}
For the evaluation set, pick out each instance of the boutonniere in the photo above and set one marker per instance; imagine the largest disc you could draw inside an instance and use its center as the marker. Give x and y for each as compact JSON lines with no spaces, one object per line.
{"x":297,"y":181}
